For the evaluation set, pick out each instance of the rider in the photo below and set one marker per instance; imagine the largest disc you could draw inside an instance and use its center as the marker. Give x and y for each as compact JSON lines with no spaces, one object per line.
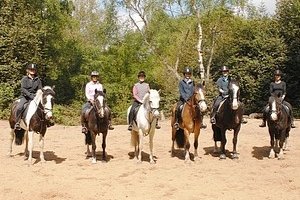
{"x":278,"y":88}
{"x":222,"y":84}
{"x":29,"y":86}
{"x":89,"y":93}
{"x":139,"y":91}
{"x":186,"y":91}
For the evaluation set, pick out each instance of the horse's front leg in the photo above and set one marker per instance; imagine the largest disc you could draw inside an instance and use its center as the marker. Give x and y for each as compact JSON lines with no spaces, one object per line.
{"x":223,"y":144}
{"x":173,"y":141}
{"x":26,"y":152}
{"x":187,"y":145}
{"x":196,"y":136}
{"x":140,"y":145}
{"x":234,"y":141}
{"x":281,"y":143}
{"x":88,"y":151}
{"x":94,"y":159}
{"x":285,"y":146}
{"x":272,"y":143}
{"x":104,"y":146}
{"x":151,"y":135}
{"x":41,"y":143}
{"x":10,"y":142}
{"x":30,"y":146}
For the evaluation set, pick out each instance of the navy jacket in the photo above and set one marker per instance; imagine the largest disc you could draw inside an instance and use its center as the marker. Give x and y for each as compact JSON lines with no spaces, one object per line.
{"x":29,"y":87}
{"x":186,"y":90}
{"x":222,"y":84}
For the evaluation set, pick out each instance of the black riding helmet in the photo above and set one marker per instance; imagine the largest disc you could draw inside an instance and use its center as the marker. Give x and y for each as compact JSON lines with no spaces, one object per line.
{"x":141,"y":73}
{"x":224,"y":69}
{"x":32,"y":66}
{"x":187,"y":70}
{"x":277,"y":72}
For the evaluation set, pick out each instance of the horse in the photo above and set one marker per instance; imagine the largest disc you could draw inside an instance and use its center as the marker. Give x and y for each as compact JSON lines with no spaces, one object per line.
{"x":34,"y":120}
{"x":191,"y":122}
{"x":97,"y":122}
{"x":144,"y":124}
{"x":279,"y":125}
{"x":229,"y":117}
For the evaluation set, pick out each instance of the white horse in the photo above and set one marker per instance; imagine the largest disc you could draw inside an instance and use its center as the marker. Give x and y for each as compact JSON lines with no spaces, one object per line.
{"x":37,"y":114}
{"x":145,"y":123}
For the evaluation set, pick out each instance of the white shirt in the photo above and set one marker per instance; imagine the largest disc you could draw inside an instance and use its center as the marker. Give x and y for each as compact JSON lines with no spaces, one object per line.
{"x":90,"y":89}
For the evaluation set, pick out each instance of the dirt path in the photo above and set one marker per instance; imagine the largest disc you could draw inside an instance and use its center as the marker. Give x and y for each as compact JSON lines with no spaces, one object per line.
{"x":67,"y":174}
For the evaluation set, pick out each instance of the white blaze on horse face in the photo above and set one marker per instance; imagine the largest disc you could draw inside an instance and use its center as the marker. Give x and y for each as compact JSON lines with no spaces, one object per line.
{"x":273,"y":109}
{"x":154,"y":102}
{"x":235,"y":104}
{"x":48,"y":107}
{"x":202,"y":103}
{"x":101,"y":102}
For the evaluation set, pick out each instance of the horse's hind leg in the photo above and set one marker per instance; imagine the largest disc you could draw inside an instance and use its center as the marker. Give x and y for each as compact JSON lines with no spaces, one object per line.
{"x":173,"y":141}
{"x":187,"y":146}
{"x":140,"y":146}
{"x":11,"y":139}
{"x":281,"y":143}
{"x":104,"y":146}
{"x":223,"y":143}
{"x":41,"y":143}
{"x":196,"y":136}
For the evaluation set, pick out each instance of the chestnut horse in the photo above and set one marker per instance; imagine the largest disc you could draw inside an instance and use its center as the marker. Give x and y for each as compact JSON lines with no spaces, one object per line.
{"x":97,"y":122}
{"x":279,"y":125}
{"x":191,"y":122}
{"x":229,"y":116}
{"x":34,"y":120}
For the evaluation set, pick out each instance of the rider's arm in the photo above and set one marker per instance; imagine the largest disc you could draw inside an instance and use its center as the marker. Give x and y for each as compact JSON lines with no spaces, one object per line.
{"x":40,"y":86}
{"x":283,"y":90}
{"x":87,"y":92}
{"x":182,"y":91}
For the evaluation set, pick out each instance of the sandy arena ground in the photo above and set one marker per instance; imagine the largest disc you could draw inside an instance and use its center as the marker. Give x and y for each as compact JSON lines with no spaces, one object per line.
{"x":68,"y":174}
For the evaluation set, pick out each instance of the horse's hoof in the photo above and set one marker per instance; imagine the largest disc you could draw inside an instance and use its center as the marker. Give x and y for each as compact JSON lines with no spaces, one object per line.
{"x":103,"y":161}
{"x":152,"y":162}
{"x":138,"y":162}
{"x":94,"y":161}
{"x":235,"y":156}
{"x":43,"y":161}
{"x":222,"y":157}
{"x":9,"y":154}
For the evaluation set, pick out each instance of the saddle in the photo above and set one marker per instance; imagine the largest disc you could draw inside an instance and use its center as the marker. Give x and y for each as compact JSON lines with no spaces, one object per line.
{"x":220,"y":105}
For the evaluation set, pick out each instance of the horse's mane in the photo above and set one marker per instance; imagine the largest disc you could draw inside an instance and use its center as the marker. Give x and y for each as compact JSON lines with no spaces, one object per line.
{"x":48,"y":90}
{"x":153,"y":93}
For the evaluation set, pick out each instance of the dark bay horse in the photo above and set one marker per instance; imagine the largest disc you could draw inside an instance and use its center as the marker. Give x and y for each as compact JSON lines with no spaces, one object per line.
{"x":34,"y":120}
{"x":229,"y":117}
{"x":279,"y":125}
{"x":191,"y":122}
{"x":97,"y":122}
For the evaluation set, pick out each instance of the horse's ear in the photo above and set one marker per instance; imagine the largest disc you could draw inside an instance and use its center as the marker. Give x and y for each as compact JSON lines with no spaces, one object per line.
{"x":278,"y":95}
{"x":104,"y":91}
{"x":159,"y":91}
{"x":96,"y":90}
{"x":53,"y":87}
{"x":203,"y":83}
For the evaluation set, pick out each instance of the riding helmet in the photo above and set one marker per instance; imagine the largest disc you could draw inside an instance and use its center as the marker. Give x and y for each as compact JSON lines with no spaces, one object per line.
{"x":94,"y":73}
{"x":187,"y":70}
{"x":224,"y":69}
{"x":31,"y":66}
{"x":277,"y":72}
{"x":141,"y":73}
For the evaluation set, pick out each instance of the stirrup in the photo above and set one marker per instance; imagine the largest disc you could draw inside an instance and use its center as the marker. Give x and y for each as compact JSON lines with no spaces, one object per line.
{"x":110,"y":127}
{"x":213,"y":120}
{"x":17,"y":126}
{"x":130,"y":127}
{"x":293,"y":125}
{"x":157,"y":126}
{"x":176,"y":126}
{"x":84,"y":130}
{"x":263,"y":124}
{"x":203,"y":126}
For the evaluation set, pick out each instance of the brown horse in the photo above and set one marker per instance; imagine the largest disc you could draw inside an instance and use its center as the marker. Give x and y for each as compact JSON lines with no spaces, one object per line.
{"x":191,"y":122}
{"x":279,"y":126}
{"x":97,"y":122}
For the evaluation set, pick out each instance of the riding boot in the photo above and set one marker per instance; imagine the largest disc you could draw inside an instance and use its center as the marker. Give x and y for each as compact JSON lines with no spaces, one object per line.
{"x":83,"y":124}
{"x":157,"y":126}
{"x":18,"y":119}
{"x":110,"y":127}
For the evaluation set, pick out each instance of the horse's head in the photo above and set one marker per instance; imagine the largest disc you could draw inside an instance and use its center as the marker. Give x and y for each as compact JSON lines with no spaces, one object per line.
{"x":153,"y":99}
{"x":275,"y":107}
{"x":99,"y":102}
{"x":200,"y":97}
{"x":234,"y":94}
{"x":47,"y":100}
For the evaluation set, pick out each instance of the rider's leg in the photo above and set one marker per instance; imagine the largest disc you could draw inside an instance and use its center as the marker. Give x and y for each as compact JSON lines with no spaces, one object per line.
{"x":177,"y":114}
{"x":215,"y":109}
{"x":130,"y":117}
{"x":85,"y":107}
{"x":19,"y":111}
{"x":291,"y":115}
{"x":265,"y":113}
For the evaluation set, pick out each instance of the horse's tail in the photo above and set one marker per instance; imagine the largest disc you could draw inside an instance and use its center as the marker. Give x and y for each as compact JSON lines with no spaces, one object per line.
{"x":134,"y":139}
{"x":180,"y":139}
{"x":88,"y":138}
{"x":19,"y":136}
